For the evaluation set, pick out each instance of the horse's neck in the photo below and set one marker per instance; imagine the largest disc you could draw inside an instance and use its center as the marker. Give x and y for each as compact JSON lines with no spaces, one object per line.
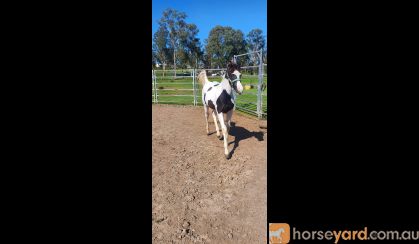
{"x":226,"y":85}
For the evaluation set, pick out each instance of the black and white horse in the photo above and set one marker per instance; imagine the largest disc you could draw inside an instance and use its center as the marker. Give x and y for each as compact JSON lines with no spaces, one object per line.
{"x":219,"y":96}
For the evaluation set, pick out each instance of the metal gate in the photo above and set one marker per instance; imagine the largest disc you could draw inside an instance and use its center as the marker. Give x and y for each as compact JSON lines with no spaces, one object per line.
{"x":254,"y":97}
{"x":175,"y":88}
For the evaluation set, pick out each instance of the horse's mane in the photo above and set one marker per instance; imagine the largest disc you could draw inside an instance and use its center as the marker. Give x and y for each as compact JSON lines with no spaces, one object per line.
{"x":202,"y":77}
{"x":231,"y":67}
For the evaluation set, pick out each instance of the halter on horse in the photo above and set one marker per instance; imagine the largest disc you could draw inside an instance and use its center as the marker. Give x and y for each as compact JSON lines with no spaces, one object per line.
{"x":219,"y":96}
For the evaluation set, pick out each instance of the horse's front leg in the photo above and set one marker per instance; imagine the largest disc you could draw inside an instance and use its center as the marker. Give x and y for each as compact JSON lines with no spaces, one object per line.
{"x":225,"y":134}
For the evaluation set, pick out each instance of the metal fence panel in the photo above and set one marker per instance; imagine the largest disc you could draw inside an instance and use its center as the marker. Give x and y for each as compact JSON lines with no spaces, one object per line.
{"x":176,"y":88}
{"x":260,"y":111}
{"x":181,"y":87}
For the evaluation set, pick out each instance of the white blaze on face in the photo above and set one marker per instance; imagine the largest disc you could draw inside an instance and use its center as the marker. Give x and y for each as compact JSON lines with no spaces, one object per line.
{"x":238,"y":83}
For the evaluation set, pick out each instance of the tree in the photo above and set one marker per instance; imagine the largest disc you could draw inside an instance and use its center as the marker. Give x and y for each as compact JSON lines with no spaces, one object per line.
{"x":255,"y":42}
{"x":265,"y":55}
{"x":174,"y":22}
{"x":161,"y":46}
{"x":223,"y":43}
{"x":206,"y":60}
{"x":190,"y":46}
{"x":153,"y":57}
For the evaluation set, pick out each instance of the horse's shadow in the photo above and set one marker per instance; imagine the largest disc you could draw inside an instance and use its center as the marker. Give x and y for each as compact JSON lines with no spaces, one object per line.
{"x":241,"y":133}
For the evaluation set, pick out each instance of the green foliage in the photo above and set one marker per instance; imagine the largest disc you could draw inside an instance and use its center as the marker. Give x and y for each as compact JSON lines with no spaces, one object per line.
{"x":175,"y":43}
{"x":173,"y":22}
{"x":178,"y":39}
{"x":190,"y":46}
{"x":255,"y":41}
{"x":161,"y":49}
{"x":222,"y":44}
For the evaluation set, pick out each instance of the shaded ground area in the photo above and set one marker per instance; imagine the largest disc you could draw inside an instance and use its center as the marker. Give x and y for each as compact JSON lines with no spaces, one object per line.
{"x":198,"y":195}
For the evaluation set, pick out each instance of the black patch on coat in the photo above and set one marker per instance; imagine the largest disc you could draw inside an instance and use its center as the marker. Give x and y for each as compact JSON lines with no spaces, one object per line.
{"x":224,"y":103}
{"x":204,"y":96}
{"x":209,"y":89}
{"x":217,"y":84}
{"x":211,"y":105}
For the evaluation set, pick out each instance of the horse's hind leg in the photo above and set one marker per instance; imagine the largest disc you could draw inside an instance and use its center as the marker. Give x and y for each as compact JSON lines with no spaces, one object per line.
{"x":206,"y":117}
{"x":229,"y":115}
{"x":216,"y":125}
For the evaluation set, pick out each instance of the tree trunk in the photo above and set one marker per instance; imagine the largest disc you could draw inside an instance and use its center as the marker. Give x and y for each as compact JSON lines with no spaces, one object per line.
{"x":174,"y":62}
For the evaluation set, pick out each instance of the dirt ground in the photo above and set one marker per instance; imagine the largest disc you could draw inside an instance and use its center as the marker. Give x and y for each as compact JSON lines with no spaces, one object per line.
{"x":198,"y":195}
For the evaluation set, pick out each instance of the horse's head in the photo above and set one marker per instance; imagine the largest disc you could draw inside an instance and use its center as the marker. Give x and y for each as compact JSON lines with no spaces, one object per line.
{"x":233,"y":75}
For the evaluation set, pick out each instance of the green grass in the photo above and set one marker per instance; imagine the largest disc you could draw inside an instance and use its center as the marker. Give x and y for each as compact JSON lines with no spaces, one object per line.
{"x":246,"y":101}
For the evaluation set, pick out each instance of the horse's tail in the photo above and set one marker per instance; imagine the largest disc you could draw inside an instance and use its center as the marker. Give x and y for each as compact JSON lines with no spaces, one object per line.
{"x":202,"y":77}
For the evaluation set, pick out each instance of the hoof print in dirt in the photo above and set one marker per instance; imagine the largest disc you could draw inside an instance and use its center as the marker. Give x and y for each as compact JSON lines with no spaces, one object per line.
{"x":189,"y":198}
{"x":186,"y":224}
{"x":161,"y":219}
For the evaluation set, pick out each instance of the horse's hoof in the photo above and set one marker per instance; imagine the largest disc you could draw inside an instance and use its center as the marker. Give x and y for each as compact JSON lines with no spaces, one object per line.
{"x":220,"y":137}
{"x":228,"y":156}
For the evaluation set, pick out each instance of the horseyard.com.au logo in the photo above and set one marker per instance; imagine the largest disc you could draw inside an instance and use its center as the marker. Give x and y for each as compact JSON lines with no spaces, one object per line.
{"x":279,"y":233}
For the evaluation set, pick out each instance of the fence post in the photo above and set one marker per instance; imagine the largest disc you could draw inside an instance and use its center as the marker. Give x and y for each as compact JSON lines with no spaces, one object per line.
{"x":193,"y":86}
{"x":153,"y":82}
{"x":262,"y":82}
{"x":260,"y":76}
{"x":155,"y":88}
{"x":196,"y":87}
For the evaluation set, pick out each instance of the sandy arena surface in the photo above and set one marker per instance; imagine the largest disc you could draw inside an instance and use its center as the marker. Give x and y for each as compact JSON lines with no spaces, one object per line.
{"x":198,"y":195}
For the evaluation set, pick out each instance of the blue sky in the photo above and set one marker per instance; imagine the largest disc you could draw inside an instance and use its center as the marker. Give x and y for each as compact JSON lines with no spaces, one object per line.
{"x":244,"y":15}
